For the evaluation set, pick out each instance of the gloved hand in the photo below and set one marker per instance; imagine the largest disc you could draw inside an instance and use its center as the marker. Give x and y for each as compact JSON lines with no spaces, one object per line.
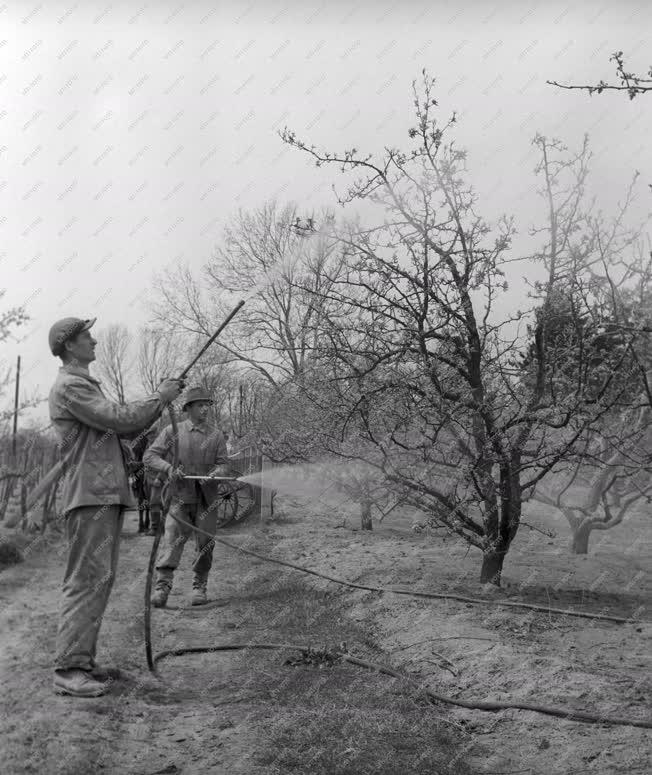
{"x":175,"y":474}
{"x":170,"y":389}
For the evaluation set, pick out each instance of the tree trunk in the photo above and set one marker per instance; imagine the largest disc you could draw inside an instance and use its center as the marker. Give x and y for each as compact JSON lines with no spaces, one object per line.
{"x":580,"y":543}
{"x":366,"y":522}
{"x":7,"y":492}
{"x":492,"y":567}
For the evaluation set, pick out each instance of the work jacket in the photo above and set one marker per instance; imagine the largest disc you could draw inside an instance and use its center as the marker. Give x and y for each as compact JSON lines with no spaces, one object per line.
{"x":154,"y":478}
{"x":137,"y":449}
{"x":201,"y":448}
{"x":88,"y":425}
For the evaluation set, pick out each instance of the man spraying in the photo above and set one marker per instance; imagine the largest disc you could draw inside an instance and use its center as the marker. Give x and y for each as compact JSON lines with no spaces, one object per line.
{"x":201,"y":447}
{"x":95,"y":493}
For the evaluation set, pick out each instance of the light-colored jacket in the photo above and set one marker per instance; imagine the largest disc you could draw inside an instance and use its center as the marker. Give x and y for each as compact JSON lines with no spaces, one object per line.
{"x":88,"y":425}
{"x":201,"y":448}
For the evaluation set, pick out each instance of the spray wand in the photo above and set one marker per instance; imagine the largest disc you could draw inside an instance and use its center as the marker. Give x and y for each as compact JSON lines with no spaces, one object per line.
{"x":168,"y":498}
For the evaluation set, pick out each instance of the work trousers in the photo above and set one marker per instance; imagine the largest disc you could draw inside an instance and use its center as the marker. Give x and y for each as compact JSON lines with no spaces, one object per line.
{"x":175,"y":538}
{"x":93,"y":534}
{"x":155,"y":506}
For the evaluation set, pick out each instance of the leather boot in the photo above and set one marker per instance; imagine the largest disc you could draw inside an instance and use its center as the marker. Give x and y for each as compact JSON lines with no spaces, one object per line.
{"x":199,"y":596}
{"x":79,"y":683}
{"x":159,"y":598}
{"x":161,"y":592}
{"x":155,"y":518}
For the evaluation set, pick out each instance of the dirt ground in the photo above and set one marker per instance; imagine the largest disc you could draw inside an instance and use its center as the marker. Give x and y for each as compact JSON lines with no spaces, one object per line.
{"x":240,"y":712}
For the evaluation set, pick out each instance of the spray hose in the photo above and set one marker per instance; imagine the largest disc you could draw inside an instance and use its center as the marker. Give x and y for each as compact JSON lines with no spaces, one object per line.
{"x":431,"y":696}
{"x":152,"y":659}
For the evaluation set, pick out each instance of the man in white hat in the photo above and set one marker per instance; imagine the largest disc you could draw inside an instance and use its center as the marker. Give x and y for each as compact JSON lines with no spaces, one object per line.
{"x":95,"y":493}
{"x":201,"y":448}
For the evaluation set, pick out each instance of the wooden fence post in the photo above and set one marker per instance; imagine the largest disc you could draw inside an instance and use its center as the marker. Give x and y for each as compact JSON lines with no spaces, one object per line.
{"x":13,"y":438}
{"x":265,"y":493}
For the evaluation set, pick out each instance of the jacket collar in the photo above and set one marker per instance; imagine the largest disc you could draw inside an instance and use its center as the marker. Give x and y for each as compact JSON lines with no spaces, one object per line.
{"x":77,"y":371}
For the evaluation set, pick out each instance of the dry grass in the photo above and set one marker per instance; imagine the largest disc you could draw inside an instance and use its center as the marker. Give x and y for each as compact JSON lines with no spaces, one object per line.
{"x":10,"y":554}
{"x":338,"y":719}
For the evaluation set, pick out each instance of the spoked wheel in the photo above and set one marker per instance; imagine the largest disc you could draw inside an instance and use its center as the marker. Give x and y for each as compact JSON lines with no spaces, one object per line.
{"x":246,"y":499}
{"x":226,"y":504}
{"x":245,"y":495}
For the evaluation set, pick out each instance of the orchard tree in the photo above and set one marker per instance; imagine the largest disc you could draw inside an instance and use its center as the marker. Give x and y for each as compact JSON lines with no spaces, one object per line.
{"x":598,"y":489}
{"x":114,"y":360}
{"x":10,"y":319}
{"x":316,"y":422}
{"x":426,"y":352}
{"x":246,"y":395}
{"x":610,"y":473}
{"x":158,"y":357}
{"x":265,"y":258}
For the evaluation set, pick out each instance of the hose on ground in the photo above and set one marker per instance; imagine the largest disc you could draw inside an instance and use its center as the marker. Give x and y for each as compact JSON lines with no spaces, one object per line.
{"x":411,"y":592}
{"x":560,"y":712}
{"x":550,"y":710}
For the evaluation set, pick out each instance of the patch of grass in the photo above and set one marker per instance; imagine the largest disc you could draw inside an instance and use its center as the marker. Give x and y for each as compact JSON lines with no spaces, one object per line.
{"x":338,"y":719}
{"x":343,"y":722}
{"x":10,"y":554}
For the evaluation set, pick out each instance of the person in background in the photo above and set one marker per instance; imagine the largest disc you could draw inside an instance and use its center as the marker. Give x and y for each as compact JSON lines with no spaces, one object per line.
{"x":155,"y":483}
{"x":201,"y":447}
{"x":94,"y":495}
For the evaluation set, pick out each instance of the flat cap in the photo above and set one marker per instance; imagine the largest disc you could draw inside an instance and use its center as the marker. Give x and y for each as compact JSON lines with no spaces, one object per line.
{"x":65,"y":329}
{"x":196,"y":394}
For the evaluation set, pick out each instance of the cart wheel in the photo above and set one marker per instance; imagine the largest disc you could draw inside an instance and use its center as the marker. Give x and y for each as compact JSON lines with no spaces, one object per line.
{"x":246,"y":500}
{"x":226,"y":505}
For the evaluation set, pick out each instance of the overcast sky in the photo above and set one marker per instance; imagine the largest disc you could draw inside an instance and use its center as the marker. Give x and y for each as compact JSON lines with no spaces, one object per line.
{"x":132,"y":131}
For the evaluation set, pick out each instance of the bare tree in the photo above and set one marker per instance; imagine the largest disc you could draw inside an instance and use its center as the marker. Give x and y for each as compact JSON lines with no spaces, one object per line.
{"x":158,"y":357}
{"x":629,"y":82}
{"x":114,"y":360}
{"x":10,"y":319}
{"x":598,"y":490}
{"x":609,"y":475}
{"x":426,"y":374}
{"x":245,"y":395}
{"x":265,"y":258}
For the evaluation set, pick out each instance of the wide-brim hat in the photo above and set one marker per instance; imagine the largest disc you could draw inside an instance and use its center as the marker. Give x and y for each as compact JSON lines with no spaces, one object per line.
{"x":194,"y":394}
{"x":66,"y":329}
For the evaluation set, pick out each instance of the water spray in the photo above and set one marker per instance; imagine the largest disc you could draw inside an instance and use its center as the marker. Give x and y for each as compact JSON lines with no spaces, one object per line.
{"x":343,"y":655}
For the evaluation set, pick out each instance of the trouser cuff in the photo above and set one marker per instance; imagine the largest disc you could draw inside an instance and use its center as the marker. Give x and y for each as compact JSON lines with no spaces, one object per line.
{"x":77,"y":665}
{"x":164,"y":578}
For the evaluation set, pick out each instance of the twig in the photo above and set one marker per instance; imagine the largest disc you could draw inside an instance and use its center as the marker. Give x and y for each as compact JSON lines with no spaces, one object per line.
{"x":430,"y":640}
{"x":445,"y":659}
{"x":601,"y":87}
{"x":548,"y":533}
{"x":445,"y":667}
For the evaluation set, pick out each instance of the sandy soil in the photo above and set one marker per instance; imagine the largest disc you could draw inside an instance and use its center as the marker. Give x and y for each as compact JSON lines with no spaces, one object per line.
{"x":470,"y":651}
{"x":493,"y":653}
